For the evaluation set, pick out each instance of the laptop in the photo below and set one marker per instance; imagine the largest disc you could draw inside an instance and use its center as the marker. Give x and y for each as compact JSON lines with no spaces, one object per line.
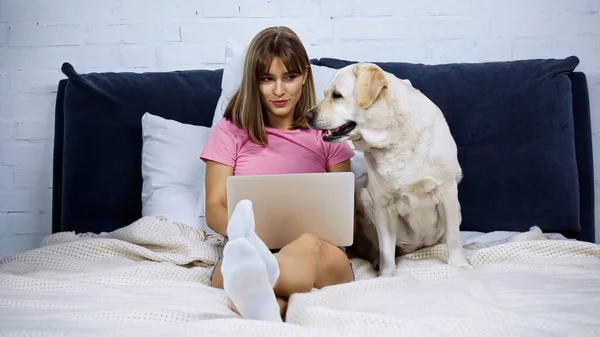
{"x":288,"y":205}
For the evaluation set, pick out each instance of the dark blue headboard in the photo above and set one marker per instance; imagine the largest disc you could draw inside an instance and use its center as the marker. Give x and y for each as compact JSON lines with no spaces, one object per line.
{"x":585,"y":159}
{"x":522,"y":127}
{"x":98,"y":139}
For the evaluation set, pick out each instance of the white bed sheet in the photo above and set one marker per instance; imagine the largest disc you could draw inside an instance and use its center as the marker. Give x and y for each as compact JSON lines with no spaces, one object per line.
{"x":498,"y":237}
{"x":149,"y":279}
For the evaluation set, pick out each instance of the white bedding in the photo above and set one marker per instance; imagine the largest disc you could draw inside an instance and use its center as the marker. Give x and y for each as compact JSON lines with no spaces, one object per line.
{"x":149,"y":279}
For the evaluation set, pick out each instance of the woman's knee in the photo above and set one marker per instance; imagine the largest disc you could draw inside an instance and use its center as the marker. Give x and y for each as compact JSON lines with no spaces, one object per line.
{"x":334,"y":267}
{"x":311,"y":244}
{"x":331,"y":263}
{"x":298,"y":264}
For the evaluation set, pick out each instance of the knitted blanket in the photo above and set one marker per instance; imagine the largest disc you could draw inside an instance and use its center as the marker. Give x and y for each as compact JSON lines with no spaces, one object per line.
{"x":150,"y":279}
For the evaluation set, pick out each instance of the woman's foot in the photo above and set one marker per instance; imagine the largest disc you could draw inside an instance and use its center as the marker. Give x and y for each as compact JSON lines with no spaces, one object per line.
{"x":246,"y":282}
{"x":241,"y":225}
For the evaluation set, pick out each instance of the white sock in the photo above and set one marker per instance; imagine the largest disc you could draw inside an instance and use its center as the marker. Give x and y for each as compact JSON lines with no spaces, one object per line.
{"x":246,"y":283}
{"x":242,"y":225}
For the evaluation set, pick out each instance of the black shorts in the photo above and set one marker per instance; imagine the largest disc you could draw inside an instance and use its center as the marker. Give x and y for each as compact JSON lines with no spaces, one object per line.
{"x":275,"y":251}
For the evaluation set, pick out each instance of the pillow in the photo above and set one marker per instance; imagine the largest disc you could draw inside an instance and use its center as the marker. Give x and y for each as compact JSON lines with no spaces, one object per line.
{"x":235,"y":54}
{"x":172,"y":172}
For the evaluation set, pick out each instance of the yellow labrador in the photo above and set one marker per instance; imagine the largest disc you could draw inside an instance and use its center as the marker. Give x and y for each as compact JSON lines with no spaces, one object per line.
{"x":411,"y":197}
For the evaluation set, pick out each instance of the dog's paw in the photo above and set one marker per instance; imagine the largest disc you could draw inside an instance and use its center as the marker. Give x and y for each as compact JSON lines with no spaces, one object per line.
{"x":459,"y":261}
{"x":387,"y":272}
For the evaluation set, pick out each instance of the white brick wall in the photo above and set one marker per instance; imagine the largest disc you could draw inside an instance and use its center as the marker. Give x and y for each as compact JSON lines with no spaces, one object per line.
{"x":36,"y":36}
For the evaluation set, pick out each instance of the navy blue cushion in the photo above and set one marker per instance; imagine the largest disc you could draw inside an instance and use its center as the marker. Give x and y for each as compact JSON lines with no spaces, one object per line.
{"x":102,"y":140}
{"x":513,"y":124}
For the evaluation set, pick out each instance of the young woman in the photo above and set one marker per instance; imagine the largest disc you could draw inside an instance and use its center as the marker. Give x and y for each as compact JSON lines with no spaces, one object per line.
{"x":264,"y":131}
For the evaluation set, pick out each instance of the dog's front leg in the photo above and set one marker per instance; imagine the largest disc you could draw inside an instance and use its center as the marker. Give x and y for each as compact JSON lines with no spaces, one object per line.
{"x":386,"y":234}
{"x":450,"y":214}
{"x":366,"y":230}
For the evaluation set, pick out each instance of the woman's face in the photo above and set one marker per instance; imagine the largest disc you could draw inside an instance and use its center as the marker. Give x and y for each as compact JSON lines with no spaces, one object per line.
{"x":279,"y":93}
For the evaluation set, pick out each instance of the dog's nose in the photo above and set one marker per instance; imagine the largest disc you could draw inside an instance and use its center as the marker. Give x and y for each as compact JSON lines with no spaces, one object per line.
{"x":309,"y":113}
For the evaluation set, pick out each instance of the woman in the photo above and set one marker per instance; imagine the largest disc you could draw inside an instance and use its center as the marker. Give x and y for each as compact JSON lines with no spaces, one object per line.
{"x":264,"y":131}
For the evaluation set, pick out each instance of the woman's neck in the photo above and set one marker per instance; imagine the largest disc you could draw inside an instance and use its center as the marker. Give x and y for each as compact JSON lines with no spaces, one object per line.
{"x":280,"y":123}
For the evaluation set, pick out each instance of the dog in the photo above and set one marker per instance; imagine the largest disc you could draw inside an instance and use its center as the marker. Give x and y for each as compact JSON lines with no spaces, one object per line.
{"x":410,"y":200}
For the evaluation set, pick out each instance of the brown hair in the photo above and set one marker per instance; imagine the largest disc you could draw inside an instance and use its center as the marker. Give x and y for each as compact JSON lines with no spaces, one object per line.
{"x":245,"y":109}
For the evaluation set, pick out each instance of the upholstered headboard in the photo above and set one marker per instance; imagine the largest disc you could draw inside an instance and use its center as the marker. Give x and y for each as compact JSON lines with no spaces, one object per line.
{"x":522,"y":127}
{"x":524,"y":140}
{"x":98,"y":139}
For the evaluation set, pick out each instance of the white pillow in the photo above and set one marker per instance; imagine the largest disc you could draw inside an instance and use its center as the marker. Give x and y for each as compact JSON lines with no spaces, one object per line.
{"x":235,"y":54}
{"x":172,"y":171}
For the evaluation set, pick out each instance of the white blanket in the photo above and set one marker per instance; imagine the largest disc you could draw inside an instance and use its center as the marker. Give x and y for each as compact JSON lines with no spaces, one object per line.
{"x":150,"y":279}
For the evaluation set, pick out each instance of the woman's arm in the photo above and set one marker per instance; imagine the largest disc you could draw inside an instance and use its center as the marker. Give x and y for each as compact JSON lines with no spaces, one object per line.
{"x":216,"y":196}
{"x":343,"y":167}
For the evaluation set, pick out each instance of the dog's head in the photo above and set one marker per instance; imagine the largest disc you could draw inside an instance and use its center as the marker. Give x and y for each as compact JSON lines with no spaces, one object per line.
{"x":354,"y":106}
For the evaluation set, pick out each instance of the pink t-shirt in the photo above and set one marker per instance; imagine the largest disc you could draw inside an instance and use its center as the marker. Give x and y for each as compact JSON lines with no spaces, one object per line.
{"x":288,"y":151}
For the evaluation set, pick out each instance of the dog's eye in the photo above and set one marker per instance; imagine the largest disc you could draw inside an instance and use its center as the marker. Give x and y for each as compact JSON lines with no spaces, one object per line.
{"x":337,"y":95}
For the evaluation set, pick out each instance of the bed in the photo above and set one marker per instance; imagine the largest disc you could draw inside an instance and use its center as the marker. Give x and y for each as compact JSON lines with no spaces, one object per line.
{"x":129,"y":253}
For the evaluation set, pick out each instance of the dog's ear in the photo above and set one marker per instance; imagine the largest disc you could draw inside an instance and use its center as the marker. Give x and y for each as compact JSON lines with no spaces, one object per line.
{"x":370,"y":80}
